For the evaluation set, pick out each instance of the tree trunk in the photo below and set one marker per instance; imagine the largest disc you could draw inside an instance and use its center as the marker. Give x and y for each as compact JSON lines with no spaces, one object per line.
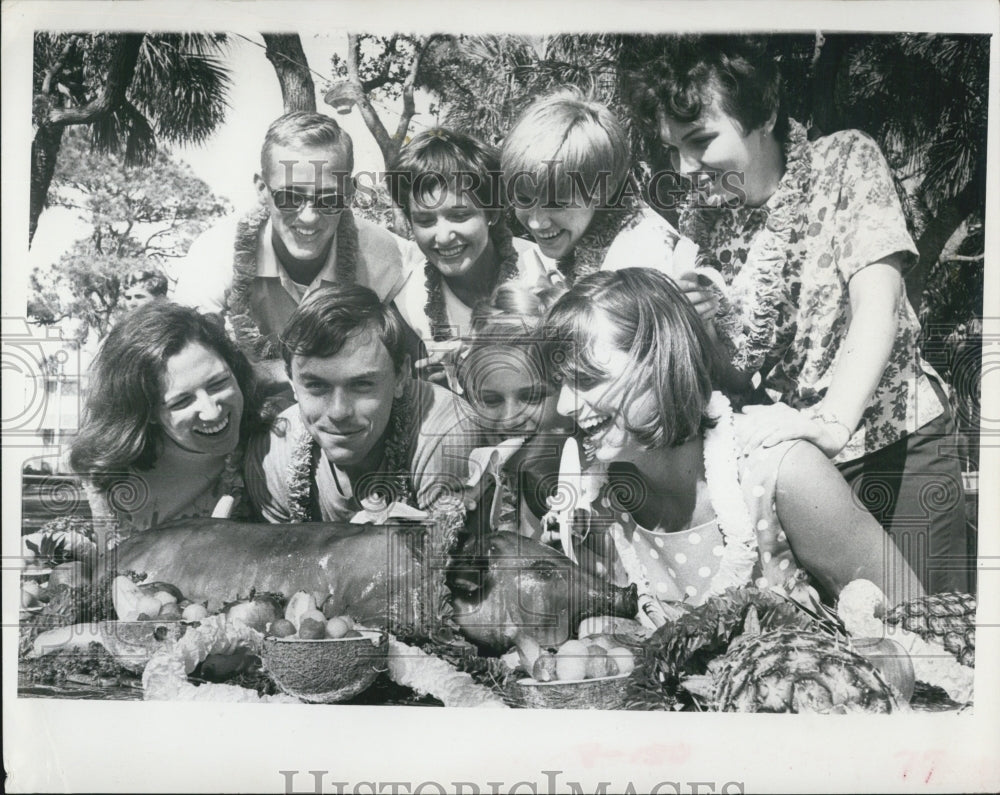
{"x":937,"y":231}
{"x":284,"y":51}
{"x":50,"y":119}
{"x":44,"y":151}
{"x":830,"y":52}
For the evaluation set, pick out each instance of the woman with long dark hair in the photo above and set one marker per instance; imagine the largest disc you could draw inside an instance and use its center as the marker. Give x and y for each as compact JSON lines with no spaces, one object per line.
{"x":170,"y":405}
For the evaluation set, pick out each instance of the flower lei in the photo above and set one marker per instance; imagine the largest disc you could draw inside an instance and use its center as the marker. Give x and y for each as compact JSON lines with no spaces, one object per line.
{"x":588,"y":255}
{"x":239,"y":298}
{"x":434,"y":307}
{"x":739,"y":551}
{"x":761,"y":285}
{"x":739,"y":538}
{"x":394,"y":478}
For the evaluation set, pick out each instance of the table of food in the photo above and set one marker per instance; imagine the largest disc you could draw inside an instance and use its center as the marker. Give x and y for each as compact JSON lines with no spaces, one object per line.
{"x":219,"y":610}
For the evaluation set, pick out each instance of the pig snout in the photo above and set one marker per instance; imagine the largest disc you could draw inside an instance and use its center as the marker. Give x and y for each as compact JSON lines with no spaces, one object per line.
{"x":512,"y":586}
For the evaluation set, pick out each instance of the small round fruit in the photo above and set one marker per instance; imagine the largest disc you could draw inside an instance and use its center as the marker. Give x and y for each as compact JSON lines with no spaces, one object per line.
{"x":347,"y":620}
{"x":353,"y":633}
{"x":597,"y":663}
{"x":282,"y":628}
{"x":313,"y":614}
{"x":73,"y":573}
{"x":165,"y":597}
{"x":195,"y":612}
{"x":330,"y":607}
{"x":336,"y":628}
{"x":170,"y":612}
{"x":601,"y":641}
{"x":311,"y":629}
{"x":149,"y":605}
{"x":571,"y":660}
{"x":623,"y":659}
{"x":545,"y":668}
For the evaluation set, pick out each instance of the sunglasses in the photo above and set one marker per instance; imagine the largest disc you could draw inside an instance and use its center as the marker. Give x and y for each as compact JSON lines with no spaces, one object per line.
{"x":292,"y":200}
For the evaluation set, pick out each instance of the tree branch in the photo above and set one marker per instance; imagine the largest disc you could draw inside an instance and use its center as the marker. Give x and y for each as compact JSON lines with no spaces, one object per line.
{"x":58,"y":65}
{"x":120,"y":73}
{"x":420,"y":46}
{"x":382,"y":77}
{"x":371,"y":119}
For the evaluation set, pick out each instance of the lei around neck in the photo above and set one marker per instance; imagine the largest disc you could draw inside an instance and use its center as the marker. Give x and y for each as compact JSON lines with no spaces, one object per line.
{"x":732,"y":516}
{"x":590,"y":251}
{"x":239,"y":300}
{"x":390,"y":484}
{"x":434,"y":307}
{"x":761,"y":286}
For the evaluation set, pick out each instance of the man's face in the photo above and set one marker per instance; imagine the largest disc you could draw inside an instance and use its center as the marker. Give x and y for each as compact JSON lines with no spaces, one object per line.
{"x":345,"y":399}
{"x":137,"y":295}
{"x":297,"y":176}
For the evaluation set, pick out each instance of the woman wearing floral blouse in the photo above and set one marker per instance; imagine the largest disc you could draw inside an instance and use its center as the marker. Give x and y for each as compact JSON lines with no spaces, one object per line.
{"x":811,"y":240}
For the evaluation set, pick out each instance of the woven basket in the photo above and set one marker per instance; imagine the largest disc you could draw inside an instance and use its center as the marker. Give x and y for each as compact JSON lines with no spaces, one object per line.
{"x":609,"y":692}
{"x":133,"y":643}
{"x":326,"y":670}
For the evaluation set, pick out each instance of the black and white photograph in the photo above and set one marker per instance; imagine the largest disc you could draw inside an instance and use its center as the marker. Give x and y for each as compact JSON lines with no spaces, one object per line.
{"x":608,"y":378}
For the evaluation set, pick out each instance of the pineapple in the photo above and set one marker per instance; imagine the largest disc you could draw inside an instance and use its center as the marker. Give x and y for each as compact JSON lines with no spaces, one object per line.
{"x":948,"y":619}
{"x":798,"y":671}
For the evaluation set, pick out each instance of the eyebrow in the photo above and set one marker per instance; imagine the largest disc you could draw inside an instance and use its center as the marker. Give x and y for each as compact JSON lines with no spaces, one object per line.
{"x":367,"y":374}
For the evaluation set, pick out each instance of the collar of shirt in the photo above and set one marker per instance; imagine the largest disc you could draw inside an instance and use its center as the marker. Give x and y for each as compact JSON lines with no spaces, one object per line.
{"x":268,"y":266}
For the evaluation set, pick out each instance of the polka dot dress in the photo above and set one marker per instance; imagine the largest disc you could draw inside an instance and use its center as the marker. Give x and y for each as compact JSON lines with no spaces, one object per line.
{"x":680,"y":566}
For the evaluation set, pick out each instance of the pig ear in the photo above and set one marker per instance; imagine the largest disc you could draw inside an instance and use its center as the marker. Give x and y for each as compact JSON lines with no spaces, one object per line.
{"x":467,"y":583}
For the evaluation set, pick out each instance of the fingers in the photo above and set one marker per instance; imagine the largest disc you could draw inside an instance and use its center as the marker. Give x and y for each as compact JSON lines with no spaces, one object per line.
{"x":771,"y":425}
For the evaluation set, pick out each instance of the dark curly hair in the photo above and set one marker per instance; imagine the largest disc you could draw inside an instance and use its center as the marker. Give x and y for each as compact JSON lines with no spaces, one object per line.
{"x":118,"y":432}
{"x":677,"y":76}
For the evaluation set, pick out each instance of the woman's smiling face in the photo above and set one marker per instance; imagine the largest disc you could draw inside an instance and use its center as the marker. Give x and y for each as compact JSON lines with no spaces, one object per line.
{"x":510,"y":395}
{"x":451,"y":231}
{"x":202,"y":404}
{"x":719,"y":154}
{"x":599,"y":405}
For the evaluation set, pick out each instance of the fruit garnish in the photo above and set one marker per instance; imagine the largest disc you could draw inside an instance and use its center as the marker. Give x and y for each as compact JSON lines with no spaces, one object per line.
{"x":336,"y":628}
{"x":282,"y":628}
{"x":311,"y":629}
{"x":544,"y":669}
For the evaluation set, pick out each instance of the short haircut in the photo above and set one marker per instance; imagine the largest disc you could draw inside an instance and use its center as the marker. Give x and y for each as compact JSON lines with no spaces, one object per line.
{"x":649,"y":318}
{"x":304,"y":129}
{"x":152,"y":279}
{"x":440,"y":159}
{"x":328,"y":317}
{"x":681,"y":75}
{"x":568,"y":140}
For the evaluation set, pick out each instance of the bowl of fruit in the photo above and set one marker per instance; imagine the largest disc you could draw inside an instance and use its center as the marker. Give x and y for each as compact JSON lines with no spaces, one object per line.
{"x":321,"y":659}
{"x":590,"y":673}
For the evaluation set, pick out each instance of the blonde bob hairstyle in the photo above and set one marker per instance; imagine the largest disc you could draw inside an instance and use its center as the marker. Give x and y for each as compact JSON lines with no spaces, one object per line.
{"x":565,"y":143}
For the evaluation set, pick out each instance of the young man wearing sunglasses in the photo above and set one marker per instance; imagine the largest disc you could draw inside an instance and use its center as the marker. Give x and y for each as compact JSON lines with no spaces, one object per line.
{"x":302,"y":237}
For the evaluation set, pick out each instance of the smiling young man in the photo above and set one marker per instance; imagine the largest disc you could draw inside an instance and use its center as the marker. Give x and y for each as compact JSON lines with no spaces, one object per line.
{"x":302,"y":237}
{"x":362,"y":427}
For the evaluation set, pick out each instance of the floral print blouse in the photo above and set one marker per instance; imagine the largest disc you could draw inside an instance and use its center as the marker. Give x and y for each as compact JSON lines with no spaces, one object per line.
{"x":853,"y":218}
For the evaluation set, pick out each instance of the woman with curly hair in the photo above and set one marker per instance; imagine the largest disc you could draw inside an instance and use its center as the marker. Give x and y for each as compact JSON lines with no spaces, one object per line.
{"x":811,"y":240}
{"x":170,"y":406}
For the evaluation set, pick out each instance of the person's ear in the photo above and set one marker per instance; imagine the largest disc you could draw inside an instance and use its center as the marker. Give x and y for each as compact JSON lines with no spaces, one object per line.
{"x":263,"y":192}
{"x":771,"y":122}
{"x":402,"y":376}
